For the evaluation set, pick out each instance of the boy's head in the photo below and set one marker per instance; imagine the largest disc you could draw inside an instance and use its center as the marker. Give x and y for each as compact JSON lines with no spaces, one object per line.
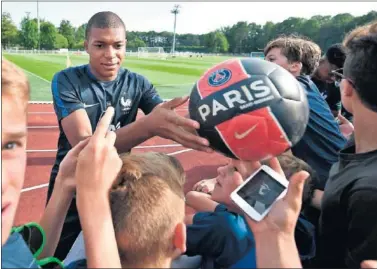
{"x":233,"y":175}
{"x":310,"y":57}
{"x":287,"y":52}
{"x":360,"y":31}
{"x":358,"y":86}
{"x":147,"y":204}
{"x":332,"y":60}
{"x":15,"y":95}
{"x":105,"y":42}
{"x":291,"y":165}
{"x":165,"y":166}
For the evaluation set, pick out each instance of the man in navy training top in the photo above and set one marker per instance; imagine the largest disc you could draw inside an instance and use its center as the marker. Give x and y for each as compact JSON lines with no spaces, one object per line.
{"x":81,"y":95}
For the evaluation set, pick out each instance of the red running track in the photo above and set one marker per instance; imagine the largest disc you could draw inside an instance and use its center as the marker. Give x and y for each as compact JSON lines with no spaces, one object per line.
{"x":42,"y":144}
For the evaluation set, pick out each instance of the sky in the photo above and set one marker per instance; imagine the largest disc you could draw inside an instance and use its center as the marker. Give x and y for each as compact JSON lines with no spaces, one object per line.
{"x":194,"y":17}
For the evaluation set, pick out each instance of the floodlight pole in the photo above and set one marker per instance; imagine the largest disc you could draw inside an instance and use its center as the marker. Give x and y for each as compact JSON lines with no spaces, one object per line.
{"x":39,"y":28}
{"x":174,"y":11}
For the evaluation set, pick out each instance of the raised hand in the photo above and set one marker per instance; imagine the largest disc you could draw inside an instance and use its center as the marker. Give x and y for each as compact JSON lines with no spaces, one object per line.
{"x":67,"y":170}
{"x":97,"y":167}
{"x":166,"y":123}
{"x":99,"y":163}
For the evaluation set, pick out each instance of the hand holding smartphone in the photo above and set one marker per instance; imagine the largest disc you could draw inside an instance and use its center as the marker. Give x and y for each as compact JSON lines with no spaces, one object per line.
{"x":259,"y":192}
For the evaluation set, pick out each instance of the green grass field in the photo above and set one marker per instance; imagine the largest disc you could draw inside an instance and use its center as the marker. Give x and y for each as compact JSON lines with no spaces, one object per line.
{"x":172,"y":77}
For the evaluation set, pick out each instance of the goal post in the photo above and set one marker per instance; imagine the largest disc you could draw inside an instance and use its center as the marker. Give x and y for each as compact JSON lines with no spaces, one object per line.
{"x":257,"y":54}
{"x":151,"y":52}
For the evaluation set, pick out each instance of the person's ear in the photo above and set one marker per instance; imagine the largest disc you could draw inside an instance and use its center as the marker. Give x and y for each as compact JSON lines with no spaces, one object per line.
{"x":179,"y":240}
{"x":295,"y":68}
{"x":347,"y":88}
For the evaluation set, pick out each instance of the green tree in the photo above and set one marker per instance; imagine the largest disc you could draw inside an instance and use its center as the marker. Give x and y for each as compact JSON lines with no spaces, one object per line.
{"x":48,"y":35}
{"x":136,"y":43}
{"x":29,"y":33}
{"x":80,"y":33}
{"x":216,"y":42}
{"x":61,"y":42}
{"x":68,"y":31}
{"x":9,"y":32}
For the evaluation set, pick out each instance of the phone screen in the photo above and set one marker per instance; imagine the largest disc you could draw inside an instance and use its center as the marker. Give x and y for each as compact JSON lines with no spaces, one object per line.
{"x":261,"y":191}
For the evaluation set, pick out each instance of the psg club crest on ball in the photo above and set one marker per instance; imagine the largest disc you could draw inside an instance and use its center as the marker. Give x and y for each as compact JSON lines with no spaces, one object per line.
{"x":219,"y":77}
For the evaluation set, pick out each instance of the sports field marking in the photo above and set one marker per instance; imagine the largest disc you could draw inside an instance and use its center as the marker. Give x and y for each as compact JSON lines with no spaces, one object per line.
{"x":138,"y":147}
{"x":46,"y":184}
{"x":31,"y":73}
{"x":35,"y":187}
{"x":41,"y":112}
{"x":43,"y":127}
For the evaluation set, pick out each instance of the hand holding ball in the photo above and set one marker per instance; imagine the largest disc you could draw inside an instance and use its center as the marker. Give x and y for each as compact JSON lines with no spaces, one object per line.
{"x":249,"y":109}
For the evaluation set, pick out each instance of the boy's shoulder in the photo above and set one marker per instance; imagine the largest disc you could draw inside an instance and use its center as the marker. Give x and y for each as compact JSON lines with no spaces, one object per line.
{"x":218,"y":217}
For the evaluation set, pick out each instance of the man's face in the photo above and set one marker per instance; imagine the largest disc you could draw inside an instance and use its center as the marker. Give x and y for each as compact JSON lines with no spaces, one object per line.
{"x":323,"y":71}
{"x":106,"y":48}
{"x":229,"y":177}
{"x":13,"y":154}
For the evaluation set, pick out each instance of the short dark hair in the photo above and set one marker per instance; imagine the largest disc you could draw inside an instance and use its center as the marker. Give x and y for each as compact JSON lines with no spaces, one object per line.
{"x":336,"y":55}
{"x":103,"y":20}
{"x":361,"y":68}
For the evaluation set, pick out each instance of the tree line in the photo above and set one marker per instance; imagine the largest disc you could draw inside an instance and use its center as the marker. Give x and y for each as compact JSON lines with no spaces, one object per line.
{"x":242,"y":37}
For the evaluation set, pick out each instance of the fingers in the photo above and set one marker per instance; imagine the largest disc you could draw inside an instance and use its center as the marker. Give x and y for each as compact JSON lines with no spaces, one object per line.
{"x":342,"y":119}
{"x":103,"y":124}
{"x":189,"y":140}
{"x":176,"y":102}
{"x":182,"y":121}
{"x":369,"y":264}
{"x":275,"y":165}
{"x":111,"y":137}
{"x":79,"y":147}
{"x":295,"y":190}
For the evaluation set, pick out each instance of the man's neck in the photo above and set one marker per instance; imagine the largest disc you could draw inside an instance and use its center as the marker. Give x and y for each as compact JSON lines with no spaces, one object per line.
{"x":365,"y":131}
{"x":99,"y":78}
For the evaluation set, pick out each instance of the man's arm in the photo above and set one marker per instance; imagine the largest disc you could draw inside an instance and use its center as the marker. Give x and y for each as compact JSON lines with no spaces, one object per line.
{"x":77,"y":126}
{"x":69,"y":109}
{"x":163,"y":122}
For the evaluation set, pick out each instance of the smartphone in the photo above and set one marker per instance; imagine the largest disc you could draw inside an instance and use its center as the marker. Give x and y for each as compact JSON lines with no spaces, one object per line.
{"x":259,"y":192}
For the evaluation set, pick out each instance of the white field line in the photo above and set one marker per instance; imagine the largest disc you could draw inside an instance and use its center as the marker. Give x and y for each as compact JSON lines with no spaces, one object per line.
{"x":43,"y":127}
{"x":46,"y":184}
{"x":138,"y":147}
{"x":41,"y":112}
{"x":31,"y":73}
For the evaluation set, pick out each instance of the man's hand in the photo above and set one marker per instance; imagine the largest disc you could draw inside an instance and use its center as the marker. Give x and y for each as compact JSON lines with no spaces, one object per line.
{"x":369,"y":264}
{"x":284,"y":213}
{"x":99,"y":163}
{"x":67,"y":171}
{"x":164,"y":122}
{"x":346,"y":127}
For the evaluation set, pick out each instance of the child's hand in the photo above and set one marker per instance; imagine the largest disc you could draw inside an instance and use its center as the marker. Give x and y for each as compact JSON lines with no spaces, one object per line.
{"x":99,"y":163}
